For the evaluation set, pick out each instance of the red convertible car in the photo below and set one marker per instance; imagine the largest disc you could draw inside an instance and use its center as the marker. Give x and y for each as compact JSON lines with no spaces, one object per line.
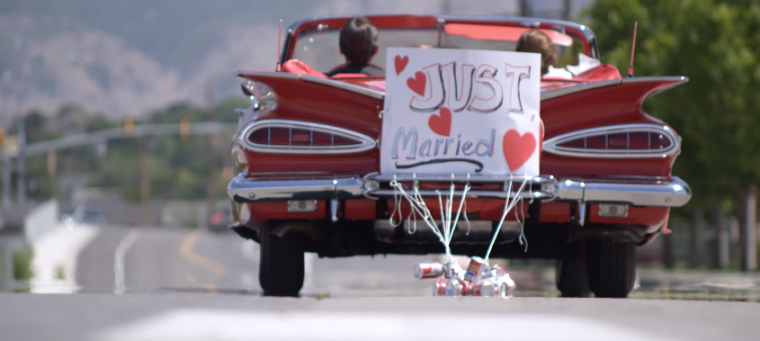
{"x":307,"y":153}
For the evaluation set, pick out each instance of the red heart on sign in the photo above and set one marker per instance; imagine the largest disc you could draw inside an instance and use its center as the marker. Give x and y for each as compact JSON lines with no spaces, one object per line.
{"x":441,"y":124}
{"x":400,"y":63}
{"x":518,"y":149}
{"x":417,"y":83}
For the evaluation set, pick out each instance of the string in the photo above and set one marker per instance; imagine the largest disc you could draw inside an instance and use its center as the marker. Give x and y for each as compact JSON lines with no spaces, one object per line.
{"x":411,"y":226}
{"x":462,"y":203}
{"x":508,"y":206}
{"x":520,"y":217}
{"x":445,"y":232}
{"x":418,"y":205}
{"x":396,"y":208}
{"x":467,"y":220}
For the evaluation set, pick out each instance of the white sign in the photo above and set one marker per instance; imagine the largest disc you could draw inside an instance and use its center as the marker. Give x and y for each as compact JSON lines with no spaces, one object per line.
{"x":461,"y":111}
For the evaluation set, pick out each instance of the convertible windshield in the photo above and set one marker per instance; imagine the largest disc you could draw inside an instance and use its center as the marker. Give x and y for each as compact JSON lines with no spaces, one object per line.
{"x":318,"y":47}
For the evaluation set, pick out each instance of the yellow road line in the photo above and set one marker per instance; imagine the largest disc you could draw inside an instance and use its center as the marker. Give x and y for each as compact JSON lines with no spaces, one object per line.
{"x":186,"y":251}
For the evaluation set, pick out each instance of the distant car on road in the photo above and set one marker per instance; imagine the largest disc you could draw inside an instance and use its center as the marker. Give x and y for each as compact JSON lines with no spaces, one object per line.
{"x":82,"y":215}
{"x":308,"y":156}
{"x":220,"y":220}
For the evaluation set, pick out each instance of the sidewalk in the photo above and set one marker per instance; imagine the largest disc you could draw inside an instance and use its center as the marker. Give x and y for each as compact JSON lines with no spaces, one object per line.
{"x":657,"y":284}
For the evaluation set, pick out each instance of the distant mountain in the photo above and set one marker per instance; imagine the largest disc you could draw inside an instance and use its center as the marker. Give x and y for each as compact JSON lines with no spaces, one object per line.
{"x":127,"y":57}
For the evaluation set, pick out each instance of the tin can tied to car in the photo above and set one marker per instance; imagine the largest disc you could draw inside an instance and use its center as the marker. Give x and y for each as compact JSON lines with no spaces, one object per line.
{"x":478,"y":280}
{"x":428,"y":270}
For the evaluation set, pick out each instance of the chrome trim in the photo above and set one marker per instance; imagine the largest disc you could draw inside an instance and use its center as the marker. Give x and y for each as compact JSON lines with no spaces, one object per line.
{"x":669,"y":193}
{"x":552,"y":94}
{"x":572,"y":190}
{"x":676,"y":80}
{"x":473,"y":194}
{"x":239,"y":163}
{"x":334,"y":210}
{"x":373,"y":180}
{"x":673,"y":193}
{"x":491,"y":19}
{"x":262,"y":96}
{"x":247,"y":190}
{"x":378,"y":95}
{"x":365,"y":142}
{"x":552,"y":145}
{"x":476,"y":178}
{"x":255,"y":105}
{"x":581,"y":214}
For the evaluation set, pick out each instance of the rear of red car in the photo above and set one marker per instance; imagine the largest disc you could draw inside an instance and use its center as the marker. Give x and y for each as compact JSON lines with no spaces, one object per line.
{"x":307,"y":152}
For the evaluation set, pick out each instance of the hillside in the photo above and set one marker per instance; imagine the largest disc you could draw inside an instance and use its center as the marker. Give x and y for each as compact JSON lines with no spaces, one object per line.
{"x":127,"y":57}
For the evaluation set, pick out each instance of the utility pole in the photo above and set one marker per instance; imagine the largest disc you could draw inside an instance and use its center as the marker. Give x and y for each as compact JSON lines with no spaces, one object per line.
{"x":211,"y":182}
{"x":696,"y":238}
{"x":21,"y":162}
{"x":51,"y":164}
{"x":6,"y":175}
{"x":748,"y":235}
{"x":720,"y":243}
{"x":524,"y":8}
{"x":668,"y":258}
{"x":567,"y":13}
{"x":445,"y":6}
{"x":144,"y":184}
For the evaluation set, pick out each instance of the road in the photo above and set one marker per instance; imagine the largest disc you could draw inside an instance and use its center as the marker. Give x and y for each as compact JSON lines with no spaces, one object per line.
{"x":181,"y":284}
{"x":189,"y":317}
{"x":178,"y":260}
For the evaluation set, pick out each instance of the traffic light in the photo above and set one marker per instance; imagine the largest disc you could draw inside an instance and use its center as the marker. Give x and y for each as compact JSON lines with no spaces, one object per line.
{"x":184,"y":128}
{"x":129,"y":126}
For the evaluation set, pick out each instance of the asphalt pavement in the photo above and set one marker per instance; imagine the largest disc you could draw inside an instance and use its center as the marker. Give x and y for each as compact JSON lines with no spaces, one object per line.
{"x":182,"y":260}
{"x":181,"y":284}
{"x":189,"y":317}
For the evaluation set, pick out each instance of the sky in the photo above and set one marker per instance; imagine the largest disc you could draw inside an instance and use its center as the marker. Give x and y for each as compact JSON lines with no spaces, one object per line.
{"x":125,"y":58}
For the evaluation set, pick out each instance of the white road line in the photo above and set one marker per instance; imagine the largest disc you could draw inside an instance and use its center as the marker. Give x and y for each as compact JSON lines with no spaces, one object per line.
{"x":118,"y":265}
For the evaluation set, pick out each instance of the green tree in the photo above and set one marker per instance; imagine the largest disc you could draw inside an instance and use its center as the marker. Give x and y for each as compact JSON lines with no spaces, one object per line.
{"x":717,"y":45}
{"x":178,"y":169}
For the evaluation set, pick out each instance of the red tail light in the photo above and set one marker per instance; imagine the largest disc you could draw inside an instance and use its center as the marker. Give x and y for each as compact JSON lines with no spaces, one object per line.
{"x":286,"y":136}
{"x":633,"y":140}
{"x":629,"y":140}
{"x":298,"y":137}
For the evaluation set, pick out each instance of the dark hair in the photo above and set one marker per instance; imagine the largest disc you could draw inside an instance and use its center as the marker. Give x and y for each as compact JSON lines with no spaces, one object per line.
{"x":537,"y":41}
{"x":358,"y":40}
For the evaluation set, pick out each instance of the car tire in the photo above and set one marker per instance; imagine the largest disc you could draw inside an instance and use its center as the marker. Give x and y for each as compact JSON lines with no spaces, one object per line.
{"x":281,"y":267}
{"x":570,"y":273}
{"x":611,"y":267}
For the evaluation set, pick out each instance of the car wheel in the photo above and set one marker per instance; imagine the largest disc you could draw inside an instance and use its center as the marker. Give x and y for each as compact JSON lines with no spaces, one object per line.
{"x":281,"y":267}
{"x":570,"y":273}
{"x":611,"y":267}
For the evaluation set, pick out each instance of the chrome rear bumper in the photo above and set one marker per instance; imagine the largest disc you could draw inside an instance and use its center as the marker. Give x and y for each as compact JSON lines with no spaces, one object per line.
{"x":672,"y":192}
{"x":245,"y":190}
